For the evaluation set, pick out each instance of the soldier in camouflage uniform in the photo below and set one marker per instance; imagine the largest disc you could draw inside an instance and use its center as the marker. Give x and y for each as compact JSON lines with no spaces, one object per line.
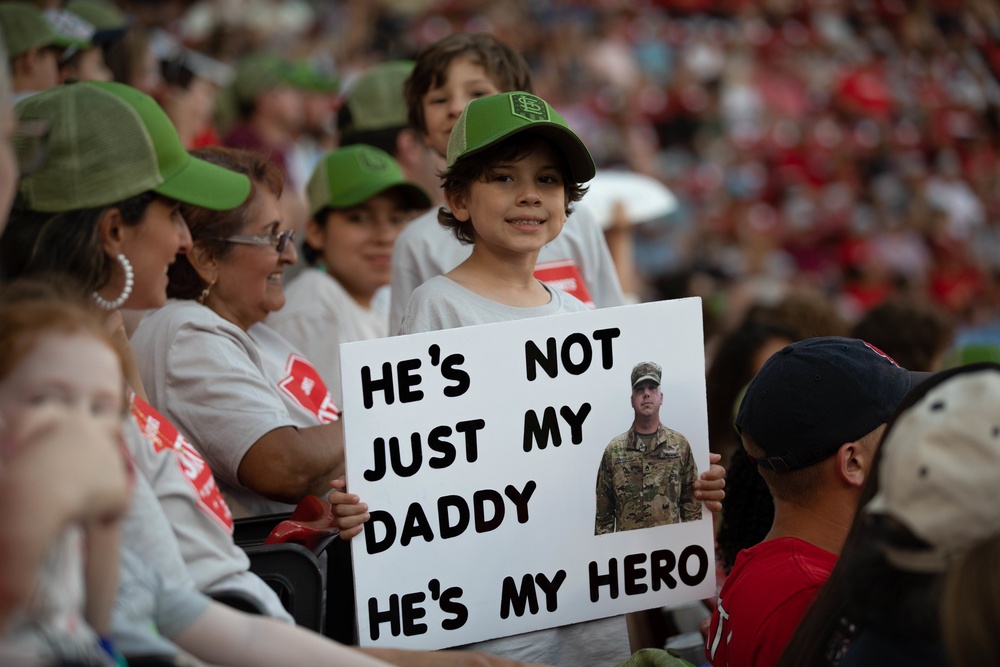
{"x":647,"y":474}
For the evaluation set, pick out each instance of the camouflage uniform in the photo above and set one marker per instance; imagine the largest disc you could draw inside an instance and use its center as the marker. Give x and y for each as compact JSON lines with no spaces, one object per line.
{"x":638,"y":488}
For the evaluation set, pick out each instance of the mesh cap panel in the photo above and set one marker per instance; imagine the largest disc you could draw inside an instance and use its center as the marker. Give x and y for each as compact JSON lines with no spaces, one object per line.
{"x":98,"y":153}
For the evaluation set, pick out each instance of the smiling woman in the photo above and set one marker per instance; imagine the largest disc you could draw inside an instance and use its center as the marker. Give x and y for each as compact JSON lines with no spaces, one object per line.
{"x":251,"y":403}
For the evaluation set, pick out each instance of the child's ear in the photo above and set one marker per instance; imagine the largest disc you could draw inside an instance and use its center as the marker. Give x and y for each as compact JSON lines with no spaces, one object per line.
{"x":458,"y":205}
{"x":315,"y":235}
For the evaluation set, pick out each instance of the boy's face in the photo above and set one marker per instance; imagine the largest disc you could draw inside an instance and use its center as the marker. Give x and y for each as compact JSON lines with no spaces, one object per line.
{"x":464,"y":80}
{"x":63,"y":373}
{"x":516,"y":207}
{"x":356,"y":243}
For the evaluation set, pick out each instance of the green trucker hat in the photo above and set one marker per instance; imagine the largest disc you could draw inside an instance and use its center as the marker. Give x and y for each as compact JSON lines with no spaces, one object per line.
{"x":24,"y":27}
{"x":375,"y":101}
{"x":260,"y":73}
{"x":304,"y":76}
{"x":487,"y":120}
{"x":108,"y":142}
{"x":351,"y":175}
{"x":101,"y":14}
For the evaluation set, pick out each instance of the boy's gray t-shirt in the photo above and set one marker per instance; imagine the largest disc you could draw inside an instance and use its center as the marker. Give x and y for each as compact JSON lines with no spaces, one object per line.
{"x":425,"y":249}
{"x":441,"y":303}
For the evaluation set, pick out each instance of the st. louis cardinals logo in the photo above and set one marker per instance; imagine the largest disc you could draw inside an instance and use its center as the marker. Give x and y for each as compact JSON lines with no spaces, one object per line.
{"x":303,"y":384}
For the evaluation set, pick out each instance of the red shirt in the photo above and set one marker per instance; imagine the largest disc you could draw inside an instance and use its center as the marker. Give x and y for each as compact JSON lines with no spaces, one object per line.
{"x":763,"y":600}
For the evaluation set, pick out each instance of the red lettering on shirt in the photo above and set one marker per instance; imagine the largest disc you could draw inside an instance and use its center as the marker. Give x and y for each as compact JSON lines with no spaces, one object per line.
{"x":563,"y":274}
{"x":163,"y":435}
{"x":304,"y":385}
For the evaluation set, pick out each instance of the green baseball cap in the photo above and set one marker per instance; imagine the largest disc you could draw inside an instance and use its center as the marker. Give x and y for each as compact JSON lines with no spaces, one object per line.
{"x":260,"y":73}
{"x":375,"y":101}
{"x":109,"y":22}
{"x":305,"y":76}
{"x":487,"y":120}
{"x":24,"y":27}
{"x":108,"y":142}
{"x":101,"y":14}
{"x":351,"y":175}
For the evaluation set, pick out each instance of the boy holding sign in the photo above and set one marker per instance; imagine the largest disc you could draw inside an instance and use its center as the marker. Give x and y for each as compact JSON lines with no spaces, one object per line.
{"x":514,"y":169}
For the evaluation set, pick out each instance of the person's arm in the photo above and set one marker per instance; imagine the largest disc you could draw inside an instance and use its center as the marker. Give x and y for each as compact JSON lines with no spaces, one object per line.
{"x":101,"y":573}
{"x":604,"y":521}
{"x":710,"y":487}
{"x":223,"y":636}
{"x":57,"y":470}
{"x":289,"y":463}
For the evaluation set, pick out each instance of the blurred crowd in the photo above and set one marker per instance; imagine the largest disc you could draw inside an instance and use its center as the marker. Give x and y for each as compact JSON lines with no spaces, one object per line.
{"x":845,"y":146}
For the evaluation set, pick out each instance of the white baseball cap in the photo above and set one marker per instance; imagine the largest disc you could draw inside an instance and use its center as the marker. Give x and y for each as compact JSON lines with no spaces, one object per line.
{"x":940,"y":472}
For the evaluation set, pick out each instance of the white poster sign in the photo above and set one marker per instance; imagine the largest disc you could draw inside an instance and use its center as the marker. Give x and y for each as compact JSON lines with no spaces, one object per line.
{"x":477,"y":451}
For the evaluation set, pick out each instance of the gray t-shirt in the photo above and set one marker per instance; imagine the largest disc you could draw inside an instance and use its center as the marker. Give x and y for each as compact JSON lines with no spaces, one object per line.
{"x":425,"y":249}
{"x":318,"y":316}
{"x":195,"y":509}
{"x":150,"y":609}
{"x":441,"y":303}
{"x":225,"y":388}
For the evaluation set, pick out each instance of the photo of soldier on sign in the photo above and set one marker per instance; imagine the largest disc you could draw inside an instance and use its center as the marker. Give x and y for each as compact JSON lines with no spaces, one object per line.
{"x":647,"y":474}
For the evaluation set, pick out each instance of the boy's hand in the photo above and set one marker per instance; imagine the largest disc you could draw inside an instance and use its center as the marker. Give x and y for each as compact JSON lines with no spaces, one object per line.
{"x":349,"y":512}
{"x":709,"y":488}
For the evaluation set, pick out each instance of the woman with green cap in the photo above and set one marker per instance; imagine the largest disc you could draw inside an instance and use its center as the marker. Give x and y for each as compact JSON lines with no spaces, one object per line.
{"x":98,"y":215}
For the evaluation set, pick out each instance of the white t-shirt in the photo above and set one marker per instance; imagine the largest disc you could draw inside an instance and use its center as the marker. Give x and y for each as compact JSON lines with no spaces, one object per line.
{"x":225,"y":388}
{"x":426,"y":249}
{"x":318,"y":316}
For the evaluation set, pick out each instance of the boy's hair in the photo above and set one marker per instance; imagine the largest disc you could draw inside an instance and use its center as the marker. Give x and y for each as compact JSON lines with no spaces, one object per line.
{"x":508,"y":69}
{"x":458,"y":179}
{"x":30,"y":309}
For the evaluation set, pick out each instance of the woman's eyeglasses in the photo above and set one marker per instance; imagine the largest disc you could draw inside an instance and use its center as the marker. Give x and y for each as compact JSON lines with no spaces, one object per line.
{"x":279,"y":240}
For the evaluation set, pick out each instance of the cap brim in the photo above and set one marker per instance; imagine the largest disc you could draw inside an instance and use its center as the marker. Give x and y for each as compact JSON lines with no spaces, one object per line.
{"x":108,"y":36}
{"x":581,"y":163}
{"x":415,"y":195}
{"x":917,"y":377}
{"x":204,"y":184}
{"x":644,"y":378}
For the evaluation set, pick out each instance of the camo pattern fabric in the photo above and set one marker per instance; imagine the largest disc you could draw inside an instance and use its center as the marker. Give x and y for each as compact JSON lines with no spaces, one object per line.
{"x":639,"y":486}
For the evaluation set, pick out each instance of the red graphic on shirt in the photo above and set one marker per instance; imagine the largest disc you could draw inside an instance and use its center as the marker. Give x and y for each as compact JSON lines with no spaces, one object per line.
{"x":305,"y":387}
{"x":564,"y":274}
{"x":164,"y":435}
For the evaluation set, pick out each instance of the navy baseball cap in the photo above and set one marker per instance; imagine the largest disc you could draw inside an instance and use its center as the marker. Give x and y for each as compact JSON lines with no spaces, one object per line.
{"x":811,"y":397}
